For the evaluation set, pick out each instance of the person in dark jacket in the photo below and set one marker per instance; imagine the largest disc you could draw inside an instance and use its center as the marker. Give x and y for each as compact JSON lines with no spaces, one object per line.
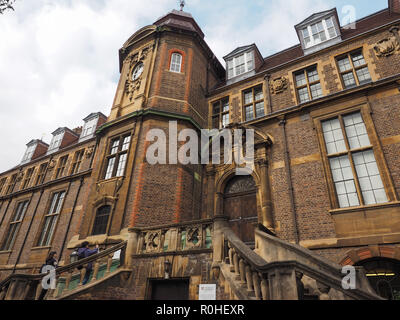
{"x":85,"y":252}
{"x":50,"y":261}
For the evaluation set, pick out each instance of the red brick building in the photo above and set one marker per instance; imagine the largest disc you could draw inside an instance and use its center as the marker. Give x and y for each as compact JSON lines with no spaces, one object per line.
{"x":324,"y":191}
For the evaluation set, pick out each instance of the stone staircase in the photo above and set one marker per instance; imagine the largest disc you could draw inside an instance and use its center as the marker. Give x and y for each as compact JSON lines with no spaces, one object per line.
{"x":279,"y":270}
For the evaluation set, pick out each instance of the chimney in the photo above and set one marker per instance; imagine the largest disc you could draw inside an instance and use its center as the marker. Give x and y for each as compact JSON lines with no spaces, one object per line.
{"x":394,"y":6}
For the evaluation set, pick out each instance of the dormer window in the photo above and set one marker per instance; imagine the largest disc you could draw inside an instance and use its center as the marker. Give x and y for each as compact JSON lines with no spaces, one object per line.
{"x":89,"y":128}
{"x":319,"y":32}
{"x":240,"y":64}
{"x":56,"y":141}
{"x":92,"y":122}
{"x":29,"y":153}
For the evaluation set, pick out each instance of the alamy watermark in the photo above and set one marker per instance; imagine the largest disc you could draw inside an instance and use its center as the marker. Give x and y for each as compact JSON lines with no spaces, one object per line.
{"x":187,"y":148}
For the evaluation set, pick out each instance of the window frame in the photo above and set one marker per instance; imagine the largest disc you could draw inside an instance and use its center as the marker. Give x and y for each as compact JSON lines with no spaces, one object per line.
{"x":247,"y":66}
{"x":19,"y":211}
{"x":107,"y":225}
{"x":77,"y":161}
{"x":11,"y":184}
{"x":375,"y":147}
{"x":27,"y":178}
{"x":41,"y":173}
{"x":253,"y":103}
{"x":173,"y":64}
{"x":47,"y":232}
{"x":3,"y":183}
{"x":353,"y":69}
{"x":220,"y":115}
{"x":310,"y":33}
{"x":308,"y":84}
{"x":117,"y":155}
{"x":61,"y":167}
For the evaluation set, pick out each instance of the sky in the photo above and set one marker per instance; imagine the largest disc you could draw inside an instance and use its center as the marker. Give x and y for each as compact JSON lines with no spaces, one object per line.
{"x":59,"y":58}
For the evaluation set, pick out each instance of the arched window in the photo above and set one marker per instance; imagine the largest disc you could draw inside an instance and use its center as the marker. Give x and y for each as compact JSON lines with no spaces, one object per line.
{"x":101,"y":220}
{"x":176,"y":62}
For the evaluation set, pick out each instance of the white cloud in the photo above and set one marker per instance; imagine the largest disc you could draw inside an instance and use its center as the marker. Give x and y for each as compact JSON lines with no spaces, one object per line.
{"x":59,"y":59}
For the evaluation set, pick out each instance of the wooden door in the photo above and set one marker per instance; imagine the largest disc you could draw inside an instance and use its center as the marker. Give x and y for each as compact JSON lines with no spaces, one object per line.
{"x":240,"y":205}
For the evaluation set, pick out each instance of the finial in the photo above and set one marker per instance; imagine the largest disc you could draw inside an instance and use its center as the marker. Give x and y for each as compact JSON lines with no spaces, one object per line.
{"x":182,"y":4}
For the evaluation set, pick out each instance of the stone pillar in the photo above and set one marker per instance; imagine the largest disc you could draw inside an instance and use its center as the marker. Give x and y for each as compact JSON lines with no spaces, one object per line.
{"x":132,"y":246}
{"x":266,"y":202}
{"x":210,"y":191}
{"x":220,"y":224}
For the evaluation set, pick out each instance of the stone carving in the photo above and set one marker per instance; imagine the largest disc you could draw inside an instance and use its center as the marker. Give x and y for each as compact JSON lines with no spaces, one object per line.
{"x":240,"y":184}
{"x":131,"y":86}
{"x":279,"y":85}
{"x":52,"y":164}
{"x":387,"y":47}
{"x":193,"y":237}
{"x":20,"y":176}
{"x":152,"y":242}
{"x":89,"y":152}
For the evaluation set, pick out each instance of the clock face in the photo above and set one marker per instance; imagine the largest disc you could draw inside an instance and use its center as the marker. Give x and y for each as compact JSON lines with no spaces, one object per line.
{"x":137,"y":71}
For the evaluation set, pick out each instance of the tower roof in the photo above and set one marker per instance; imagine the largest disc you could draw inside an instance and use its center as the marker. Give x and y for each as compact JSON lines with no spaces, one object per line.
{"x":181,"y":20}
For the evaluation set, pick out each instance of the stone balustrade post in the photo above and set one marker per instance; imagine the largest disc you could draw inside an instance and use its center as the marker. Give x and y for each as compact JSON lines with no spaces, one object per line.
{"x":132,"y":246}
{"x":242,"y":271}
{"x":249,"y":279}
{"x":264,"y":287}
{"x":256,"y":285}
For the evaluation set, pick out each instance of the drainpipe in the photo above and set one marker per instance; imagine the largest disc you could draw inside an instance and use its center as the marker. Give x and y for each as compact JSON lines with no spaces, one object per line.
{"x":282,"y":123}
{"x":27,"y":232}
{"x":70,"y":218}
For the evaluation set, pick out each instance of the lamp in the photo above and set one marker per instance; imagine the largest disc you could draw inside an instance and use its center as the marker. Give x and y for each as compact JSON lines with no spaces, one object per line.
{"x":167,"y":269}
{"x":73,"y":256}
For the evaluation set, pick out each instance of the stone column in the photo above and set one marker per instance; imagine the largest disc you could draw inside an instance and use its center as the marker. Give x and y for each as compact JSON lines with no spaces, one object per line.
{"x":266,"y":203}
{"x":132,"y":246}
{"x":220,"y":223}
{"x":210,"y":191}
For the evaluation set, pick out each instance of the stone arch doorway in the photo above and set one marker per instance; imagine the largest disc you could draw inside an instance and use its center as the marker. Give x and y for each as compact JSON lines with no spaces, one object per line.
{"x":383,"y":275}
{"x":240,"y":205}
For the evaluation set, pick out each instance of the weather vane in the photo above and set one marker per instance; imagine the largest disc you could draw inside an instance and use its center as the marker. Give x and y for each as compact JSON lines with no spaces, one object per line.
{"x":182,"y":4}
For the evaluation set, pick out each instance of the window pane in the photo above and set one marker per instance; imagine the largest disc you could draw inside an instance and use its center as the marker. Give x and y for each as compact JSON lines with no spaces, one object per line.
{"x":356,"y":131}
{"x":333,"y":136}
{"x":249,"y":113}
{"x":369,"y":177}
{"x":348,"y":79}
{"x":344,"y":64}
{"x":101,"y":220}
{"x":121,"y":165}
{"x":176,"y":61}
{"x":303,"y":95}
{"x":313,"y":75}
{"x":110,"y":168}
{"x":363,"y":75}
{"x":260,"y":110}
{"x":358,"y":59}
{"x":225,"y":120}
{"x":114,"y":146}
{"x":344,"y":182}
{"x":125,"y":143}
{"x":301,"y":79}
{"x":258,"y":94}
{"x":248,"y":97}
{"x":225,"y":105}
{"x":316,"y":91}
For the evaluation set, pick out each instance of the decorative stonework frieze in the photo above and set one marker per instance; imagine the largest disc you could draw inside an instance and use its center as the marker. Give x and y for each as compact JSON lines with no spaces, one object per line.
{"x":279,"y":85}
{"x":89,"y":152}
{"x":388,"y":46}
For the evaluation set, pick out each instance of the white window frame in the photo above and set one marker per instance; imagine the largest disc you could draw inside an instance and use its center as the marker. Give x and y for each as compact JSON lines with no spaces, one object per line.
{"x":56,"y":141}
{"x":89,"y":127}
{"x":312,"y":41}
{"x":29,"y":153}
{"x":176,"y":66}
{"x":248,"y":66}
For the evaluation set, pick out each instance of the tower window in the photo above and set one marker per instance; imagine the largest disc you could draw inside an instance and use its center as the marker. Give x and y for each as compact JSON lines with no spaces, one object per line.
{"x":176,"y":62}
